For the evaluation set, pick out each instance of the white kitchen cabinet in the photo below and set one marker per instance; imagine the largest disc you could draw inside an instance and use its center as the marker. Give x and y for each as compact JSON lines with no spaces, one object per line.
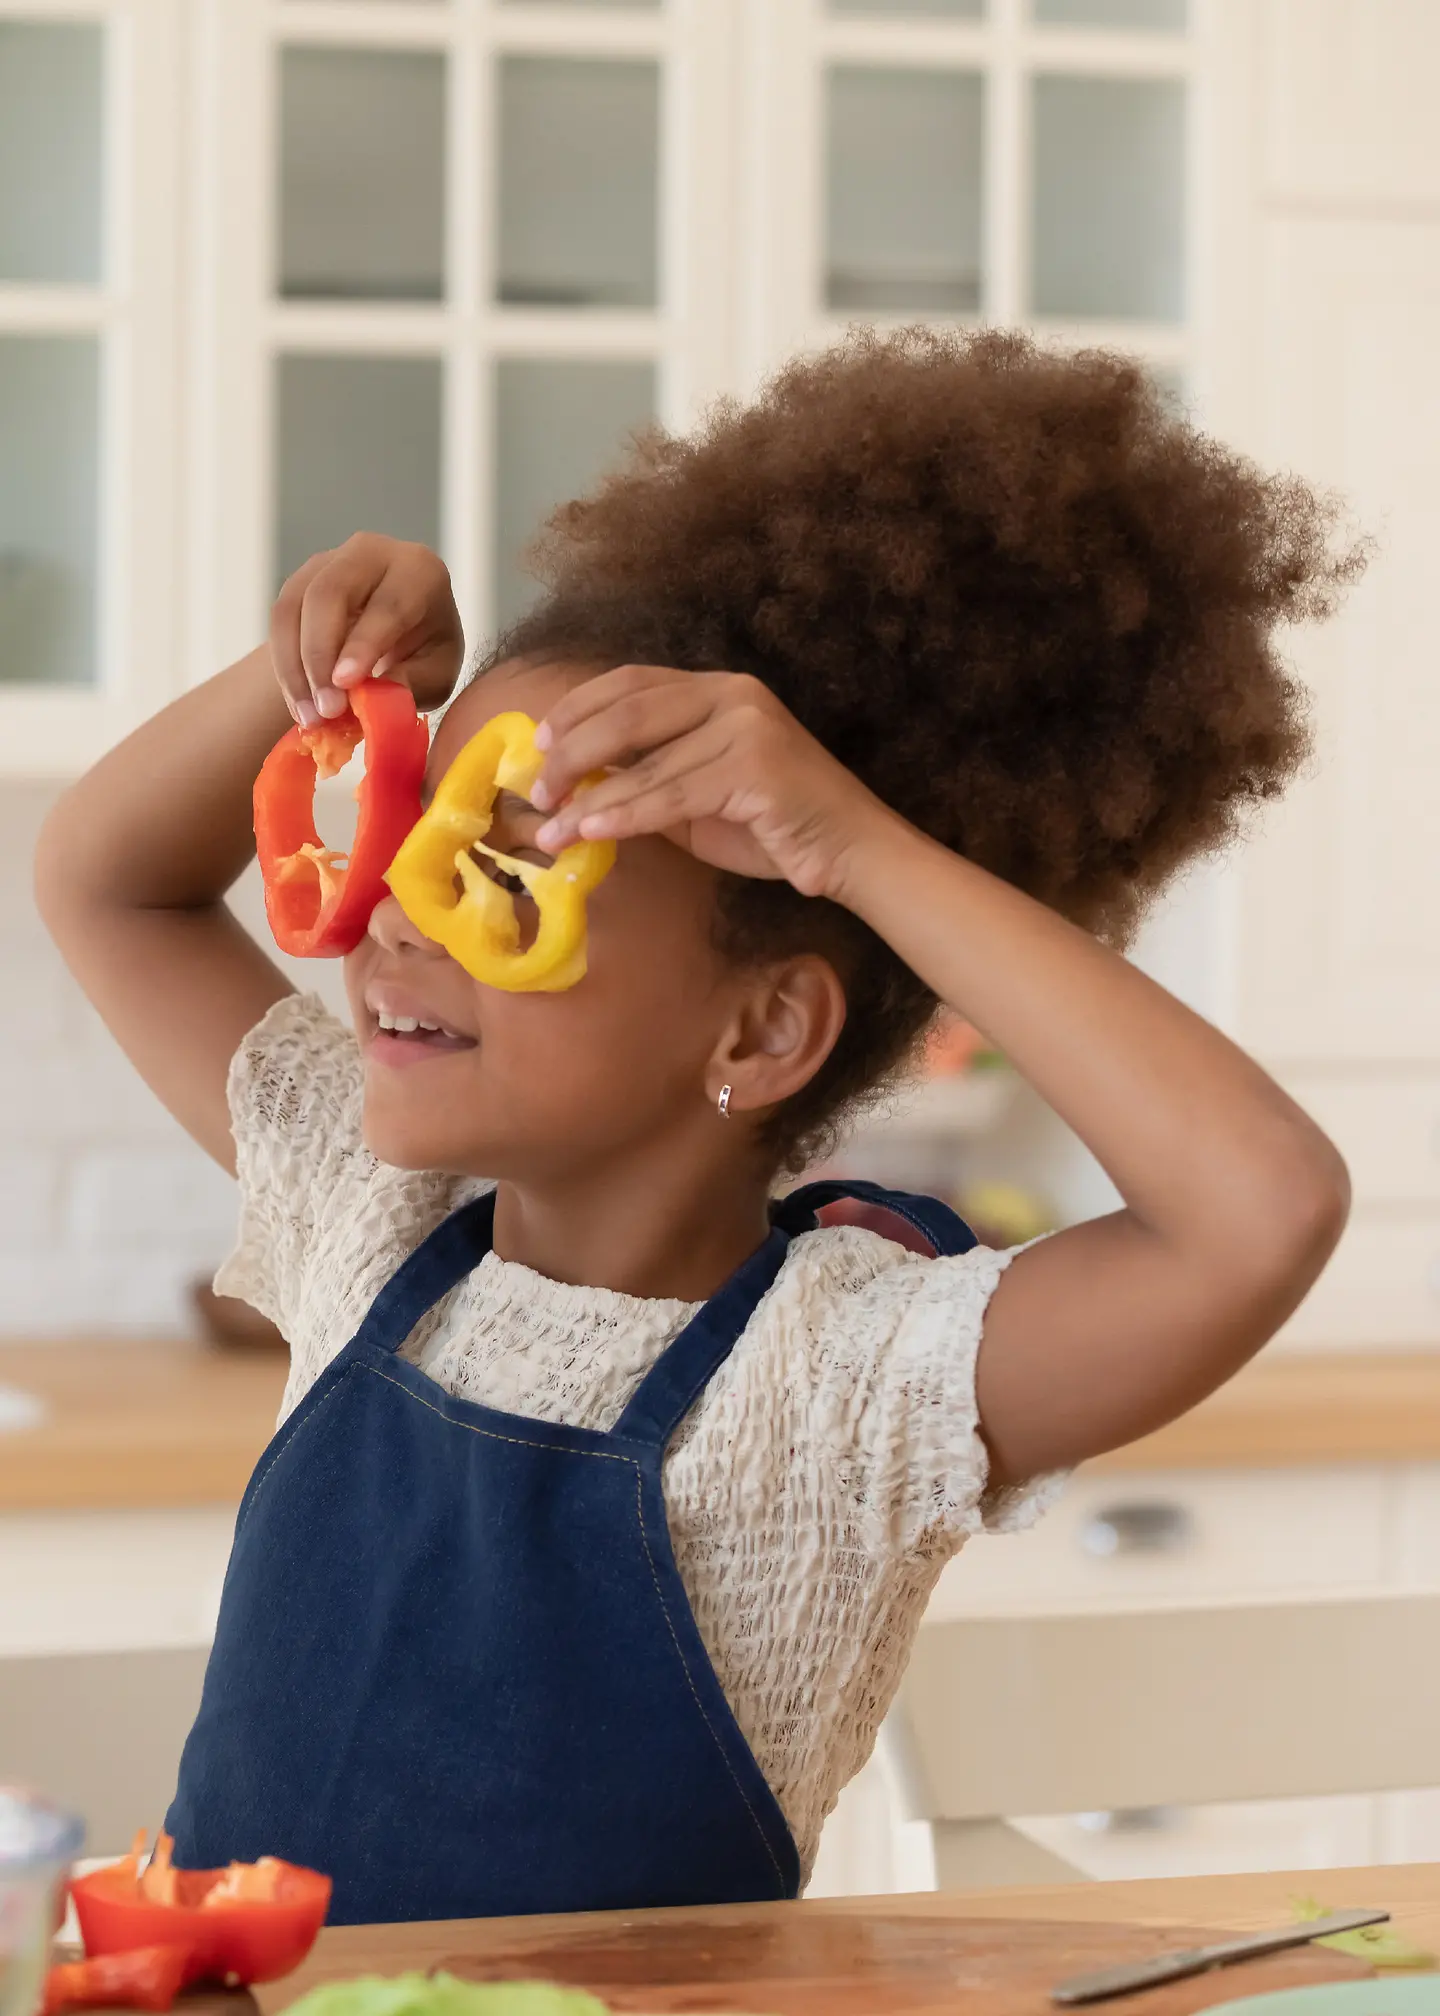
{"x":1324,"y":365}
{"x":469,"y":249}
{"x":90,"y":192}
{"x":1386,"y":1123}
{"x":111,"y":1581}
{"x":1382,"y":1288}
{"x":1132,"y":1537}
{"x":1182,"y":1537}
{"x":1336,"y":962}
{"x":422,"y":268}
{"x":1350,"y":101}
{"x":1324,"y":321}
{"x":1023,"y":164}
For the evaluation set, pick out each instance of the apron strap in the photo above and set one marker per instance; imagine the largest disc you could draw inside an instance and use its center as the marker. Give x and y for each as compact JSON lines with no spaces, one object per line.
{"x":682,"y":1372}
{"x":685,"y":1368}
{"x":947,"y":1233}
{"x":458,"y":1244}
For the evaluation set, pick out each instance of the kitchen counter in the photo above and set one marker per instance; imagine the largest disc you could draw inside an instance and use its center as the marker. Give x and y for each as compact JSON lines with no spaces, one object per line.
{"x":147,"y":1424}
{"x":136,"y":1424}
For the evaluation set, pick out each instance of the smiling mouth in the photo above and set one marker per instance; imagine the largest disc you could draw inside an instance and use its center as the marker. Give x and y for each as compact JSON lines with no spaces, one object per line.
{"x":403,"y":1037}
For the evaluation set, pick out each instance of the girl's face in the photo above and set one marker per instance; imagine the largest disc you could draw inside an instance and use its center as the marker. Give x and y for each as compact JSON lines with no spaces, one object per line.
{"x":540,"y":1087}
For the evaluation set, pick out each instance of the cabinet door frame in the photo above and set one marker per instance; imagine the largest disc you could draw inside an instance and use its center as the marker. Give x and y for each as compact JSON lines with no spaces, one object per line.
{"x":788,"y":46}
{"x":134,"y":312}
{"x":239,"y":326}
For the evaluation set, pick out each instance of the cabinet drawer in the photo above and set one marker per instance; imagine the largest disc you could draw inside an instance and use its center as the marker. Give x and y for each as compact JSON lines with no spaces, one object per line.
{"x":1216,"y":1840}
{"x":1382,"y":1287}
{"x":1417,"y":1531}
{"x":1114,"y":1539}
{"x":1388,"y":1130}
{"x":111,"y":1581}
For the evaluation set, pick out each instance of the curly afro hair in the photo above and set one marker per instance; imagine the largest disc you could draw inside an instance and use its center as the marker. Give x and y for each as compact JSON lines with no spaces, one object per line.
{"x":1027,"y":603}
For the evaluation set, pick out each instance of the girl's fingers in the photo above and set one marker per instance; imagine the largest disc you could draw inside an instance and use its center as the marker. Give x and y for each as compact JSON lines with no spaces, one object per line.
{"x":285,"y":641}
{"x":593,"y":695}
{"x":387,"y":623}
{"x":634,"y":721}
{"x":689,"y":779}
{"x":325,"y":617}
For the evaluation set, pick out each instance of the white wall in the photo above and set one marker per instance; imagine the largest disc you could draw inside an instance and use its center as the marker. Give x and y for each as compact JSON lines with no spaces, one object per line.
{"x":107,"y":1209}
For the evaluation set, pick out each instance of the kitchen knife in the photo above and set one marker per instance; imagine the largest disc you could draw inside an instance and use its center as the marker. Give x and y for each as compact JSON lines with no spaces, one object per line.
{"x":1135,"y":1975}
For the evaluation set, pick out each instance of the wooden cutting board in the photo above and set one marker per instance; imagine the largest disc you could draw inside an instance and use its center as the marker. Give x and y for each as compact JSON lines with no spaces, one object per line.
{"x":867,"y":1963}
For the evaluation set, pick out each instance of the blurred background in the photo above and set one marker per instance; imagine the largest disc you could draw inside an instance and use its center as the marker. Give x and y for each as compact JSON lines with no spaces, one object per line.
{"x":272,"y":271}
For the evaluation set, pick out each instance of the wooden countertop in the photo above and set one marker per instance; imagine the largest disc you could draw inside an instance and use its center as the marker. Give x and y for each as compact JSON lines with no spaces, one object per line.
{"x":132,"y":1424}
{"x":881,"y":1953}
{"x":147,"y":1424}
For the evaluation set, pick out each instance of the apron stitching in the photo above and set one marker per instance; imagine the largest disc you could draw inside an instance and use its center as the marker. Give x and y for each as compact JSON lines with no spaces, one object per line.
{"x":690,"y":1682}
{"x":606,"y":1456}
{"x":493,"y":1434}
{"x":289,"y":1440}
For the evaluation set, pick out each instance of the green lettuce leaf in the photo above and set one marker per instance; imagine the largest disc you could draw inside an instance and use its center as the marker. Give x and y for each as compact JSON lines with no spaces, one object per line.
{"x":443,"y":1995}
{"x":1381,"y":1945}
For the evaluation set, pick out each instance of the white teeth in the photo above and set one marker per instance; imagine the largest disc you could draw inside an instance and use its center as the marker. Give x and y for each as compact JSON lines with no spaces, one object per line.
{"x":409,"y":1025}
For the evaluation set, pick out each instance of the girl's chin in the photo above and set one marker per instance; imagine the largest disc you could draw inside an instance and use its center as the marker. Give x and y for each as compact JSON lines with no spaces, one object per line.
{"x":411,"y":1140}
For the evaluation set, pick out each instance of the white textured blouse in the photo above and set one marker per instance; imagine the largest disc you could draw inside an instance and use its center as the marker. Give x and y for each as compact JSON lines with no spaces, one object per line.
{"x":814,"y":1492}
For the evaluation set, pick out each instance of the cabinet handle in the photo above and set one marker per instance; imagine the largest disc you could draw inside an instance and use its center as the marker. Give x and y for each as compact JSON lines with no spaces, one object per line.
{"x":1130,"y":1820}
{"x":1140,"y":1528}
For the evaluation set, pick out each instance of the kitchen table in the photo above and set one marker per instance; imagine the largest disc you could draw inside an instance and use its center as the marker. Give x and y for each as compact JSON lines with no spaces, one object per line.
{"x":918,"y":1953}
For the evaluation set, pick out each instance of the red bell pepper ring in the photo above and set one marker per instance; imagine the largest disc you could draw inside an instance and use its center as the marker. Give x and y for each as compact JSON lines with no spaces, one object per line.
{"x":251,"y":1922}
{"x":319,"y":903}
{"x":148,"y":1977}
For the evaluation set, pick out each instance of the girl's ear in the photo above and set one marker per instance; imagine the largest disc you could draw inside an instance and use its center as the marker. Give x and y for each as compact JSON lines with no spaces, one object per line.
{"x":785,"y":1026}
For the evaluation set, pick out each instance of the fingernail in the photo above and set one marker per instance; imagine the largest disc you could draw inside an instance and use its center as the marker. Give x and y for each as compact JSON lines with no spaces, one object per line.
{"x":549,"y":837}
{"x":346,"y":670}
{"x":543,"y":737}
{"x":305,"y":714}
{"x":540,"y":795}
{"x":331,"y":703}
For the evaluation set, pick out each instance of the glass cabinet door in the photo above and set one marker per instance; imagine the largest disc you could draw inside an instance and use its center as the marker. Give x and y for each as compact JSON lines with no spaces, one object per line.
{"x":52,"y":140}
{"x":903,"y":169}
{"x":361,"y":204}
{"x":1013,"y":161}
{"x":88,"y":373}
{"x":49,"y":509}
{"x":476,"y":265}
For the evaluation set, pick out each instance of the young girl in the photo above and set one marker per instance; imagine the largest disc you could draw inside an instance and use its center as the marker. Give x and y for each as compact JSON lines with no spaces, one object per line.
{"x":609,"y":1492}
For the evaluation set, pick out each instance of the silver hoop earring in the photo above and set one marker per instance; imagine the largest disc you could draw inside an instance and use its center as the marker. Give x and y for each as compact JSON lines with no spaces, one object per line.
{"x":722,"y":1104}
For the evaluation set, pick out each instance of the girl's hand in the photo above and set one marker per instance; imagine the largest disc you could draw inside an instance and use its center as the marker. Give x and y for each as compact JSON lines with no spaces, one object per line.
{"x":375,"y":606}
{"x":712,"y":761}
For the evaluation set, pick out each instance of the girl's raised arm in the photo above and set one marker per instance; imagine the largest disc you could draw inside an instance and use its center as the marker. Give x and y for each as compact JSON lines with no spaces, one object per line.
{"x":1233,"y":1198}
{"x":131,"y":875}
{"x":135,"y":860}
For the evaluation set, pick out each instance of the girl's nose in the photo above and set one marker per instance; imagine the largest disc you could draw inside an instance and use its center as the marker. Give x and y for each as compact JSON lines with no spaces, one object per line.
{"x":394,"y":933}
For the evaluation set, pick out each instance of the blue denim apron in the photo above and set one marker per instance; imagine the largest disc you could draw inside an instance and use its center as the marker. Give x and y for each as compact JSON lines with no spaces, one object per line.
{"x":455,"y":1667}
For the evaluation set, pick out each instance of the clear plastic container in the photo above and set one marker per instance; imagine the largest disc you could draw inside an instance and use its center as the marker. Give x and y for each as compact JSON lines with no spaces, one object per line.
{"x":38,"y":1843}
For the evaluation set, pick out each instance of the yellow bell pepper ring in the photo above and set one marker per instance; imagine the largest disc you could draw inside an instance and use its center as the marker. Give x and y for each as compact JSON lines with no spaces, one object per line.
{"x":447,"y":895}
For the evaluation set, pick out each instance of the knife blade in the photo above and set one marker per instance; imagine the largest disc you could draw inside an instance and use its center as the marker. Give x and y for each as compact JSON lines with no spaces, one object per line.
{"x":1129,"y":1978}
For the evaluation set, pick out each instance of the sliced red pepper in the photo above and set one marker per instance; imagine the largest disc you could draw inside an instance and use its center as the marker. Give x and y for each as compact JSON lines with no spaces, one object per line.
{"x":251,"y":1922}
{"x":146,"y":1977}
{"x":319,"y":903}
